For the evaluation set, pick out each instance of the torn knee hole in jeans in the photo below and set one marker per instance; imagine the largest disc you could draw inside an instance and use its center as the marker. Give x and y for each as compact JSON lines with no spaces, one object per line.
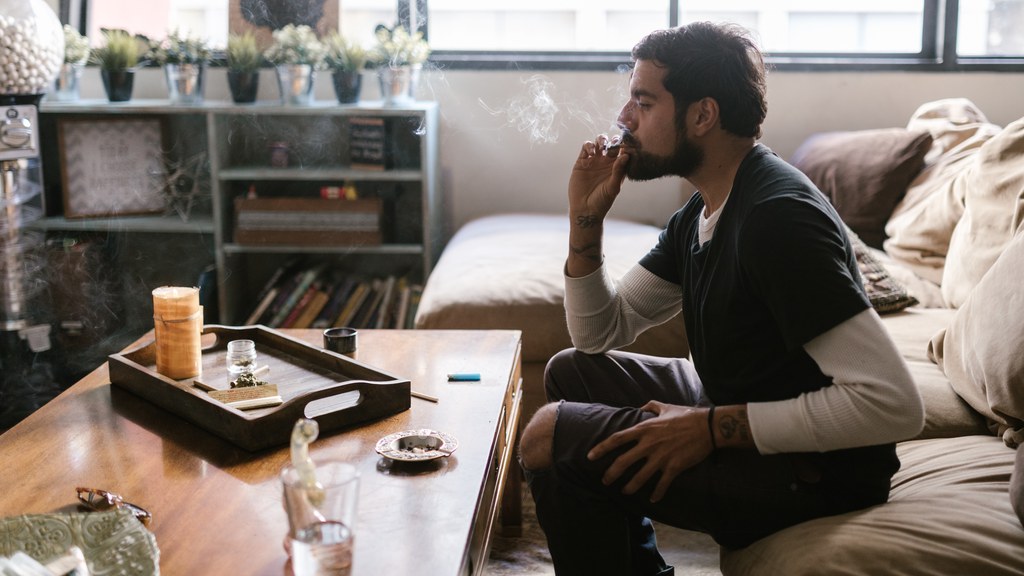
{"x":531,"y":468}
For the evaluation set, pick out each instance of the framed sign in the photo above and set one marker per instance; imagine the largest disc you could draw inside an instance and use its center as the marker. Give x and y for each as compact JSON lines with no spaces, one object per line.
{"x":367,"y":139}
{"x":112,"y":166}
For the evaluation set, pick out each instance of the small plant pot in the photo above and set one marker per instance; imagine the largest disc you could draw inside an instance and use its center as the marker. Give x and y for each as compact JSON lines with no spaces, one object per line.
{"x":185,"y":82}
{"x":118,"y":84}
{"x":398,"y":85}
{"x":244,"y":86}
{"x":66,"y":85}
{"x":347,"y":85}
{"x":296,"y":84}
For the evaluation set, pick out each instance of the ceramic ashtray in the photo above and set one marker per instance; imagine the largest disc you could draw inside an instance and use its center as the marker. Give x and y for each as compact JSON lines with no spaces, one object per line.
{"x":417,"y":445}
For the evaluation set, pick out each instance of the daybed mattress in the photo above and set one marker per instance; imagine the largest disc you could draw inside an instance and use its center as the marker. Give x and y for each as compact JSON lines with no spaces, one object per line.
{"x":505,"y":272}
{"x":949,"y":513}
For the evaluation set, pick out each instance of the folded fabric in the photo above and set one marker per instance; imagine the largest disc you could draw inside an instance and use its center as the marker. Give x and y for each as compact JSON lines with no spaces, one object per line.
{"x":993,"y":211}
{"x":922,"y":223}
{"x":981,"y":349}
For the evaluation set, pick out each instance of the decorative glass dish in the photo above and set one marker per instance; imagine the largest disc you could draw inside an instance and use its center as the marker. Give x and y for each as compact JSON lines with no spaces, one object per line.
{"x":417,"y":445}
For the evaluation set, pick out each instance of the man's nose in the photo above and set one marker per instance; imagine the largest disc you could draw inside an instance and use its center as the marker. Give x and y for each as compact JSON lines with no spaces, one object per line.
{"x":625,"y":119}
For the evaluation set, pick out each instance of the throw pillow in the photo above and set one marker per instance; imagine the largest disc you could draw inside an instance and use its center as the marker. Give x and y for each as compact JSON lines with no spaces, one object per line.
{"x":885,"y":293}
{"x":921,"y":224}
{"x":864,"y":173}
{"x":980,"y":350}
{"x":993,"y":211}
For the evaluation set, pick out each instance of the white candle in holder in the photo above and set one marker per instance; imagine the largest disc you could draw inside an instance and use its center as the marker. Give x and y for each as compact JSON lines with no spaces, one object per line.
{"x":178,"y":323}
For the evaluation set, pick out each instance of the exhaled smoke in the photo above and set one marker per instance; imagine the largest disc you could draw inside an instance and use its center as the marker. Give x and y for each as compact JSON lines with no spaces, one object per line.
{"x":540,"y":114}
{"x":534,"y":114}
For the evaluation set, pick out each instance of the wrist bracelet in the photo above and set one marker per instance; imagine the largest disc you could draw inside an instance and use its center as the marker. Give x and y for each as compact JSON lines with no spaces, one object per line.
{"x":711,"y":428}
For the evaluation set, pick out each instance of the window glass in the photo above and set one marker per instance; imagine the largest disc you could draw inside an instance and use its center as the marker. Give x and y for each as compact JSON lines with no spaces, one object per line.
{"x":985,"y":27}
{"x":543,"y":25}
{"x":213,"y":19}
{"x":813,"y":26}
{"x":358,"y":18}
{"x":990,"y":28}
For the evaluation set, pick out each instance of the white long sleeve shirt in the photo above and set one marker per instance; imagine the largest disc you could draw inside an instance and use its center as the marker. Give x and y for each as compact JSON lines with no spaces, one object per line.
{"x":873,"y":399}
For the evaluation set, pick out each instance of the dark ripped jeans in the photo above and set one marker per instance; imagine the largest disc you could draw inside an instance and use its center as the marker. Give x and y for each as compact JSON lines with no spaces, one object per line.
{"x":736,"y":496}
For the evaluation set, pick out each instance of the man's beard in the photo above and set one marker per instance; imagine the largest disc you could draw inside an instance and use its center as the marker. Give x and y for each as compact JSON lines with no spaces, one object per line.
{"x":645,"y":166}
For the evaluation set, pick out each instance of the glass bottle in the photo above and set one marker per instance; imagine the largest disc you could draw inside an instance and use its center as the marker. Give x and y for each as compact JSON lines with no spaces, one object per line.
{"x":241,"y":358}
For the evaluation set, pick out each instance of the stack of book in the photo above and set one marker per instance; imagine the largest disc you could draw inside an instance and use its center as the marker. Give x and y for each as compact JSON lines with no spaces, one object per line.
{"x":307,"y":221}
{"x":317,"y":297}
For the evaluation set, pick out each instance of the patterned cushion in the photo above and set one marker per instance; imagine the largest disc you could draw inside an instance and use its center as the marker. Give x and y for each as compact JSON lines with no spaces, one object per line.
{"x":885,"y":293}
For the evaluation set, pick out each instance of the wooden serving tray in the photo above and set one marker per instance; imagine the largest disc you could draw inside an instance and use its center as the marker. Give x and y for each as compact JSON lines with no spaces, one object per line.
{"x":330,"y":388}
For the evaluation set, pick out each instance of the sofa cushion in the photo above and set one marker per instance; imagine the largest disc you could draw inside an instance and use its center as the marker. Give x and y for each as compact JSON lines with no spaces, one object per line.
{"x":993,"y":211}
{"x":948,"y":513}
{"x":945,"y":412}
{"x":505,"y":272}
{"x":981,"y":349}
{"x":922,"y":222}
{"x":1017,"y":486}
{"x":864,"y":173}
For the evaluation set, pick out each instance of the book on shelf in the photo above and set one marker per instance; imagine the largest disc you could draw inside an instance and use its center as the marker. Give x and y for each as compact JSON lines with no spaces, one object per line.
{"x":339,"y":294}
{"x":268,"y":294}
{"x":415,"y":294}
{"x":299,"y":308}
{"x":315,"y":297}
{"x":366,"y":311}
{"x":301,"y":287}
{"x":312,"y":308}
{"x":262,"y":306}
{"x":285,"y":287}
{"x":402,"y":303}
{"x":352,"y":305}
{"x":382,"y":315}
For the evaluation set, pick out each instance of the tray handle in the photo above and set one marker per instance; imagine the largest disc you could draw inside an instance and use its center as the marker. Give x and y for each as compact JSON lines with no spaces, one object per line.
{"x":353,"y":400}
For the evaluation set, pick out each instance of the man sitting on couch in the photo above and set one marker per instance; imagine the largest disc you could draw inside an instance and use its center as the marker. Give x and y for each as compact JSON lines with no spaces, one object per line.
{"x":796,"y":394}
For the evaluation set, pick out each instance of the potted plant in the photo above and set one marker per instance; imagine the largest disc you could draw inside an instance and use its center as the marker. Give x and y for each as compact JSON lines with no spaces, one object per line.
{"x":244,"y":59}
{"x":297,"y":54}
{"x":117,"y":59}
{"x":346,"y":60}
{"x":184,"y":60}
{"x":398,"y":57}
{"x":76,"y":54}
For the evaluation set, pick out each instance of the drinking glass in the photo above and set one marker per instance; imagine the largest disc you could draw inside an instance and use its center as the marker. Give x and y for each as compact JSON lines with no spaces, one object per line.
{"x":321,"y":517}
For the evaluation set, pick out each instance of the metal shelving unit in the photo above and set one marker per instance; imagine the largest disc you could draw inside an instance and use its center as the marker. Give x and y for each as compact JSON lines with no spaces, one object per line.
{"x":236,"y":137}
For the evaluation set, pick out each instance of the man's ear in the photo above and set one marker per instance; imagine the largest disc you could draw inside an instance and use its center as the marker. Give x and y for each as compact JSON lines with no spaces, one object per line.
{"x":703,"y":115}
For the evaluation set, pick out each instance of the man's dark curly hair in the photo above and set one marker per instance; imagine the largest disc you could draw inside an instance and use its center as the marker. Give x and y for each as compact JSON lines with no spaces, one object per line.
{"x":719,"y":61}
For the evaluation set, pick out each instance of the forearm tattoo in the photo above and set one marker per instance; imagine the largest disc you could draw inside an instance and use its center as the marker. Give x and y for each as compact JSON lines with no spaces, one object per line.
{"x":734,"y":426}
{"x":589,"y":251}
{"x":592,"y":250}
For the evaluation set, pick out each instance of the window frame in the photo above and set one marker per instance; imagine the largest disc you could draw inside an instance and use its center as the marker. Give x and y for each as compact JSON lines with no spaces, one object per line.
{"x":938,"y":53}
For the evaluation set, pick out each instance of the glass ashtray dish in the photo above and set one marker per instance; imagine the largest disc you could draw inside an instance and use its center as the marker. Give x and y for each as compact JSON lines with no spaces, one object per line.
{"x":417,"y":445}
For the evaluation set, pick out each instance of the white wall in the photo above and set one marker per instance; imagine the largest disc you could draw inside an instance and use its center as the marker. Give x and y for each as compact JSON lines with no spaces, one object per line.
{"x":492,"y":162}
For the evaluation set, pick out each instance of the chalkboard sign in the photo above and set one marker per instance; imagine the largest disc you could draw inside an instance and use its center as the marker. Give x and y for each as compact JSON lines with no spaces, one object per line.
{"x":111,"y":167}
{"x":367,"y":143}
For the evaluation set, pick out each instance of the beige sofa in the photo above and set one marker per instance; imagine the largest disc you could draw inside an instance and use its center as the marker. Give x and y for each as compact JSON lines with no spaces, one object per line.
{"x":948,"y":284}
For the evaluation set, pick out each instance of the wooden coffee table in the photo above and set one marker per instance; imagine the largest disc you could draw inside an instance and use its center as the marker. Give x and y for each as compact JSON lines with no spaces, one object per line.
{"x":217,"y":509}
